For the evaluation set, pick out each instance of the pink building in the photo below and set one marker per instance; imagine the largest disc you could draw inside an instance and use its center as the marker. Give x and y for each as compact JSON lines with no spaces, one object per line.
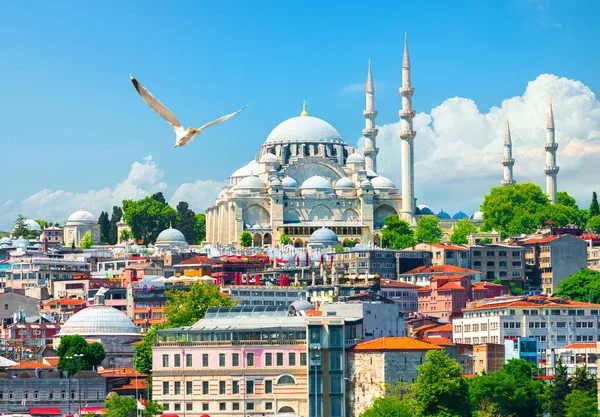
{"x":445,"y":297}
{"x":403,"y":293}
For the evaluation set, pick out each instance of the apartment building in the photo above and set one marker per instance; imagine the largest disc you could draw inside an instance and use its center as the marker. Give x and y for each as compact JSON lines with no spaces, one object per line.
{"x":446,"y":254}
{"x":487,"y":357}
{"x":35,"y":271}
{"x":421,"y":275}
{"x":503,"y":262}
{"x":445,"y":297}
{"x":593,"y":250}
{"x":386,"y":263}
{"x":402,"y":293}
{"x":554,"y":258}
{"x":554,"y":322}
{"x":577,"y":355}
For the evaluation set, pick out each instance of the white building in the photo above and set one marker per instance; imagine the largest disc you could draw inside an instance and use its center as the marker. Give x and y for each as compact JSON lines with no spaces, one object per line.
{"x":555,"y":322}
{"x":77,"y":225}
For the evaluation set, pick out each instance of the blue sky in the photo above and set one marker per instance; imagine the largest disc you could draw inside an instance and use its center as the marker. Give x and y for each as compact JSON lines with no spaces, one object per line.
{"x":70,"y":119}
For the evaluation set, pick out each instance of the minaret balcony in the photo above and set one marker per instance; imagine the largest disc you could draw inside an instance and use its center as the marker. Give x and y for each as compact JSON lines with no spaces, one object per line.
{"x":406,"y":114}
{"x":370,"y":151}
{"x":508,"y":162}
{"x":551,"y":147}
{"x":370,"y":114}
{"x":406,"y":91}
{"x":551,"y":170}
{"x":409,"y":134}
{"x":508,"y":182}
{"x":370,"y":133}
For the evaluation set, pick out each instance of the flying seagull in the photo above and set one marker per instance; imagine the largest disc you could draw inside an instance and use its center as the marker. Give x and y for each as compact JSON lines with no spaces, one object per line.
{"x":182,"y":136}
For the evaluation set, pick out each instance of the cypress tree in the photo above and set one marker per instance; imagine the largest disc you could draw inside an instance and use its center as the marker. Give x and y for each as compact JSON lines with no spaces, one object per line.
{"x":594,"y":208}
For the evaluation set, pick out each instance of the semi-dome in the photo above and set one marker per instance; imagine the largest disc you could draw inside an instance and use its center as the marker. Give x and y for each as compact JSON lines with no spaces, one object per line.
{"x":424,"y":209}
{"x":304,"y":129}
{"x":99,"y":320}
{"x":301,"y":305}
{"x":460,"y":215}
{"x":251,"y":168}
{"x":324,"y":236}
{"x":344,"y":184}
{"x":250,"y":182}
{"x":289,"y":182}
{"x":355,"y":158}
{"x":443,"y":215}
{"x":316,"y":183}
{"x":382,"y":183}
{"x":269,"y":158}
{"x":170,"y":235}
{"x":82,"y":216}
{"x":478,"y":215}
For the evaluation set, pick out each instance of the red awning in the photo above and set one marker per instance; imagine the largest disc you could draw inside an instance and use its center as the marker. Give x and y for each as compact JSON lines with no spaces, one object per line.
{"x":170,"y":415}
{"x":86,"y":410}
{"x":45,"y":412}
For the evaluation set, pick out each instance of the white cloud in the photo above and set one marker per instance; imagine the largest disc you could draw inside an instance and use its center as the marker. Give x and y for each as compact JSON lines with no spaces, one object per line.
{"x":458,"y":148}
{"x":198,"y":195}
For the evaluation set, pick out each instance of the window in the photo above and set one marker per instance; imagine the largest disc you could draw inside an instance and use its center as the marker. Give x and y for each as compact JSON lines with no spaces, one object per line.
{"x":204,"y":406}
{"x":476,"y":263}
{"x":516,"y":254}
{"x":165,"y":388}
{"x":72,"y":395}
{"x":166,"y":406}
{"x":268,"y":406}
{"x":235,"y":359}
{"x":280,"y":359}
{"x":189,"y":406}
{"x":205,"y":390}
{"x":222,"y":406}
{"x":165,"y":361}
{"x":268,"y":386}
{"x":286,"y":380}
{"x":561,"y":324}
{"x":250,"y":406}
{"x":268,"y":359}
{"x":315,"y":334}
{"x":177,"y":388}
{"x":221,"y":359}
{"x":50,"y":396}
{"x":250,"y":359}
{"x":188,"y":360}
{"x":63,"y":394}
{"x":235,"y":387}
{"x":490,"y":253}
{"x":235,"y":406}
{"x":221,"y":387}
{"x":177,"y":360}
{"x":303,"y":359}
{"x":189,"y":387}
{"x":292,"y":359}
{"x":249,"y":387}
{"x":177,"y":407}
{"x":205,"y":359}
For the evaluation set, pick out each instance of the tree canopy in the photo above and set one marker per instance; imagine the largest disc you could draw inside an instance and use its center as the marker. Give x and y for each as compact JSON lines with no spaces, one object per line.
{"x":245,"y":239}
{"x":116,"y":406}
{"x":87,"y":241}
{"x":594,"y":208}
{"x":461,"y":230}
{"x":104,"y":223}
{"x":583,"y":285}
{"x":187,"y":222}
{"x":397,"y":233}
{"x":564,"y":199}
{"x":117,"y":213}
{"x":594,"y":224}
{"x":143,"y":352}
{"x":149,"y":216}
{"x":581,"y":404}
{"x":200,"y":227}
{"x":284,"y":239}
{"x":429,"y":230}
{"x":93,"y":354}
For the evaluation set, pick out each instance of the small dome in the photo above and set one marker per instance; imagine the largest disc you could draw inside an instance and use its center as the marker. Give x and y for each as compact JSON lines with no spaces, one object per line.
{"x":304,"y":129}
{"x":4,"y":375}
{"x":460,"y":215}
{"x":275,"y":182}
{"x":32,"y":224}
{"x":289,"y":182}
{"x":424,"y":209}
{"x":269,"y":158}
{"x":256,"y":227}
{"x":99,"y":320}
{"x":478,"y":216}
{"x":6,"y":241}
{"x":323,"y":235}
{"x":355,"y":158}
{"x":21,"y":242}
{"x":301,"y":305}
{"x":316,"y":183}
{"x":443,"y":215}
{"x":250,"y":182}
{"x":170,"y":235}
{"x":82,"y":216}
{"x":251,"y":168}
{"x":366,"y":183}
{"x":383,"y":183}
{"x":24,"y":374}
{"x":52,"y":375}
{"x":344,"y":184}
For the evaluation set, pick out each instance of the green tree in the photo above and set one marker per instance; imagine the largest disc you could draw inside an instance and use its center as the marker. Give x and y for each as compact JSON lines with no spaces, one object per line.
{"x":390,"y":406}
{"x":514,"y":290}
{"x":584,"y":381}
{"x":581,"y":404}
{"x":461,"y":230}
{"x":87,"y":241}
{"x":594,"y":224}
{"x":187,"y":222}
{"x":563,"y":198}
{"x":245,"y":239}
{"x":21,"y":228}
{"x":583,"y":285}
{"x":116,"y":406}
{"x":439,"y":388}
{"x":125,"y":236}
{"x":557,"y":391}
{"x":200,"y":227}
{"x":74,"y":345}
{"x":104,"y":223}
{"x":560,"y":215}
{"x":429,"y":230}
{"x":43,"y":223}
{"x":348,"y":244}
{"x":148,"y":217}
{"x":143,"y":352}
{"x":513,"y":209}
{"x":594,"y":208}
{"x":284,"y":239}
{"x":397,"y":233}
{"x":117,"y":213}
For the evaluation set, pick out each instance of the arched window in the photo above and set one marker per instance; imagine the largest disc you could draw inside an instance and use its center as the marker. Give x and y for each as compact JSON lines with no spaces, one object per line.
{"x":72,"y":395}
{"x":1,"y":395}
{"x":287,"y":409}
{"x":63,"y":395}
{"x":11,"y":395}
{"x":286,"y":380}
{"x":26,"y":395}
{"x":36,"y":395}
{"x":51,"y":395}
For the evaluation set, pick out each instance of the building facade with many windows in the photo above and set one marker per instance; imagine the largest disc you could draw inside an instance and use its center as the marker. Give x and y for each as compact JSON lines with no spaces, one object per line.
{"x":503,"y":262}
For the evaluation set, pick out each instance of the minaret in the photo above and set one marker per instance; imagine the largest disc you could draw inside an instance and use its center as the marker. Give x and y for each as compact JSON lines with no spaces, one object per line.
{"x":551,"y":169}
{"x":508,"y":160}
{"x":369,"y":132}
{"x":407,"y":135}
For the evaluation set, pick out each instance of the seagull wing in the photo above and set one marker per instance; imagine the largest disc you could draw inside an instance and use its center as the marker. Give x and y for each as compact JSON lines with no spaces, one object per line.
{"x":156,"y":105}
{"x":221,"y":119}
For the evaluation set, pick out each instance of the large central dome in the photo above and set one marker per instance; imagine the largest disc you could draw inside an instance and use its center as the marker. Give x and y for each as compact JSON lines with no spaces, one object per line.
{"x":304,"y":129}
{"x":99,"y":320}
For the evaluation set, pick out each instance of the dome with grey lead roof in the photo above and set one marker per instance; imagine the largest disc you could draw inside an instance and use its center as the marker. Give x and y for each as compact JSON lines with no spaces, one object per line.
{"x":170,"y":235}
{"x":251,"y":168}
{"x":304,"y":129}
{"x":289,"y":182}
{"x":251,"y":182}
{"x":344,"y":184}
{"x":269,"y":158}
{"x":301,"y":305}
{"x":478,"y":215}
{"x":382,"y":183}
{"x":99,"y":320}
{"x":323,"y":235}
{"x":316,"y":183}
{"x":355,"y":158}
{"x":82,"y":216}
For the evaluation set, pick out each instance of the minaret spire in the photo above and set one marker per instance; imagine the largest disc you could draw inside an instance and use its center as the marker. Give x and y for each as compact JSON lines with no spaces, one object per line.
{"x":508,"y":160}
{"x":370,"y":132}
{"x":551,"y":169}
{"x":407,"y":136}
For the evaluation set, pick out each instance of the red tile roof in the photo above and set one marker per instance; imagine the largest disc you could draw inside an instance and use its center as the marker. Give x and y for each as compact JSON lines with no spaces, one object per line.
{"x":446,"y":246}
{"x":390,"y":283}
{"x":386,"y":344}
{"x":486,"y":284}
{"x":198,"y":260}
{"x":449,"y":269}
{"x":64,"y":302}
{"x":438,"y":341}
{"x":423,"y":289}
{"x":424,"y":327}
{"x":529,"y":302}
{"x":52,"y":361}
{"x":542,"y":240}
{"x":442,"y":328}
{"x":580,"y":346}
{"x":449,"y":286}
{"x":116,"y":372}
{"x":31,"y":365}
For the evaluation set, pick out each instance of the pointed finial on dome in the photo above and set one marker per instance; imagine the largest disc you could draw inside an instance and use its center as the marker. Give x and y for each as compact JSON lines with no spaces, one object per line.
{"x":405,"y":58}
{"x":370,"y":88}
{"x":304,"y":113}
{"x":550,"y":123}
{"x":507,"y":139}
{"x":170,"y":225}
